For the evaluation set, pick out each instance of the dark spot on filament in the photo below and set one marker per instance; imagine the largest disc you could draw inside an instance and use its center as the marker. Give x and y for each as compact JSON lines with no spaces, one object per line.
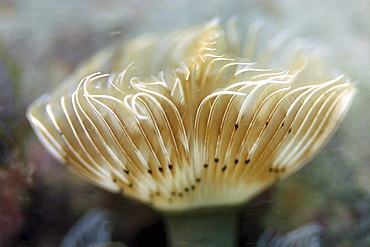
{"x":160,"y":169}
{"x":186,"y":189}
{"x":270,"y":169}
{"x":193,"y":187}
{"x":205,"y":165}
{"x":217,"y":160}
{"x":170,"y":166}
{"x":290,"y":130}
{"x":114,"y":180}
{"x":181,"y":194}
{"x":282,"y":124}
{"x":236,"y":126}
{"x":130,"y":185}
{"x":150,"y":171}
{"x":173,"y":193}
{"x":236,"y":161}
{"x":247,"y":161}
{"x":197,"y":180}
{"x":267,"y":123}
{"x":223,"y":168}
{"x":126,"y":171}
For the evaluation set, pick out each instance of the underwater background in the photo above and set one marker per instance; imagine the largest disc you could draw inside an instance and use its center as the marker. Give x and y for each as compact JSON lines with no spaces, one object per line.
{"x":42,"y":42}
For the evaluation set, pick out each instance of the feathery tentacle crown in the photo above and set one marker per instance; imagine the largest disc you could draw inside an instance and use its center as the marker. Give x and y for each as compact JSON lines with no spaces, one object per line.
{"x":211,"y":128}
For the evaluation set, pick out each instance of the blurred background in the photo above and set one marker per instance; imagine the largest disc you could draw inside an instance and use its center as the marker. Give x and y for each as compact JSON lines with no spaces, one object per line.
{"x":42,"y":42}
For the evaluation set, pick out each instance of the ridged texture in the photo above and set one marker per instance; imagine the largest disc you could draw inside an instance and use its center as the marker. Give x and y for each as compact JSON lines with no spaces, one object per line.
{"x":188,"y":123}
{"x":307,"y":235}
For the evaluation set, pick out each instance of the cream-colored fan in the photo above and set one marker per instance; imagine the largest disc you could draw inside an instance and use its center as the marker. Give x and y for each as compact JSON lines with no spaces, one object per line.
{"x":190,"y":120}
